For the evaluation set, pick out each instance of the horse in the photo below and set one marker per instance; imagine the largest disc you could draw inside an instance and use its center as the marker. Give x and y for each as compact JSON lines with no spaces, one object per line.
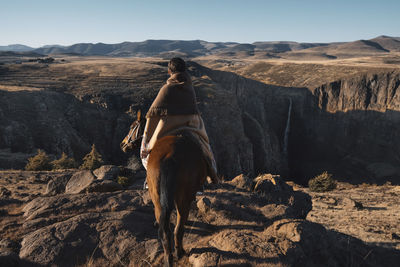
{"x":176,"y":170}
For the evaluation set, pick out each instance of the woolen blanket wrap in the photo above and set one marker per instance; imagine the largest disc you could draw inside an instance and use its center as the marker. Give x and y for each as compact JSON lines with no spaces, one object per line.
{"x":176,"y":97}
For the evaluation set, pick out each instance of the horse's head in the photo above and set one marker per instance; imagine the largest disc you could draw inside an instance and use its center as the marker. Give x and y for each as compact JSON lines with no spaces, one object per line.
{"x":135,"y":134}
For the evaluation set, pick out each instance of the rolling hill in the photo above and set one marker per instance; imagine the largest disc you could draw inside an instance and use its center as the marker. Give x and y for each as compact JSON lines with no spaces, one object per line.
{"x":16,"y":48}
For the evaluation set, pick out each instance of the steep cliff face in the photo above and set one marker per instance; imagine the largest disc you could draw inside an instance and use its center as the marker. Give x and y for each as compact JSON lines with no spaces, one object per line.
{"x":354,"y":130}
{"x":375,"y":92}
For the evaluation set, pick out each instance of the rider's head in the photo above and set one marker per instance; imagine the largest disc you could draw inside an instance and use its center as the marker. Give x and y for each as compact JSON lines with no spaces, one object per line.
{"x":176,"y":64}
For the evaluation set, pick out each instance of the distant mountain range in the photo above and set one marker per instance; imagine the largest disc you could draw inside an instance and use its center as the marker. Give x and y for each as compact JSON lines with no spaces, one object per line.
{"x":381,"y":44}
{"x":16,"y":48}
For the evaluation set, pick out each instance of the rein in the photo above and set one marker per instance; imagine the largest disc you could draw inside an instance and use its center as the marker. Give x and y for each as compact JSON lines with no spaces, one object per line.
{"x":135,"y":130}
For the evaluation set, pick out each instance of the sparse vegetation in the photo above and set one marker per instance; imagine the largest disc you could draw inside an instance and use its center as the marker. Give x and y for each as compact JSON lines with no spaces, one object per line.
{"x":64,"y":162}
{"x":39,"y":162}
{"x":322,"y":183}
{"x":124,"y":181}
{"x":42,"y":60}
{"x":92,"y":160}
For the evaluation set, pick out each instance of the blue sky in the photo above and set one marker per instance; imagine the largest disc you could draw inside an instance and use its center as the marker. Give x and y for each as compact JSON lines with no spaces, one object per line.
{"x":41,"y":22}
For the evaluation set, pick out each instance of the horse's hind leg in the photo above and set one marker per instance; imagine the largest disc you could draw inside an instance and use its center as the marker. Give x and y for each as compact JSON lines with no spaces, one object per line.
{"x":181,"y":218}
{"x":164,"y":233}
{"x":163,"y":223}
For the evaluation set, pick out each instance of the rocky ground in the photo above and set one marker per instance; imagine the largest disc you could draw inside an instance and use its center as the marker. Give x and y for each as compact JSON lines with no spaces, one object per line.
{"x":368,"y":212}
{"x":69,"y":218}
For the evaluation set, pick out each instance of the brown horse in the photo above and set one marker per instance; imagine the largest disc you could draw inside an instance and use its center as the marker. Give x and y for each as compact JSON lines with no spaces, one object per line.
{"x":176,"y":170}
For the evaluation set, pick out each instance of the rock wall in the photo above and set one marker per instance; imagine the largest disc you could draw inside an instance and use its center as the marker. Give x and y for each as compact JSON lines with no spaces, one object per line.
{"x":56,"y":122}
{"x":353,"y":131}
{"x":348,"y":127}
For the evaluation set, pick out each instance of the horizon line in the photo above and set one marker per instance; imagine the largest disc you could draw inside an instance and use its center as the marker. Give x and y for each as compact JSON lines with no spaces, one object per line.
{"x":190,"y":40}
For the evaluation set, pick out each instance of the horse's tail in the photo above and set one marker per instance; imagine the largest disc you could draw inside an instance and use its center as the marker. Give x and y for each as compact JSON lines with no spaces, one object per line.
{"x":167,"y":190}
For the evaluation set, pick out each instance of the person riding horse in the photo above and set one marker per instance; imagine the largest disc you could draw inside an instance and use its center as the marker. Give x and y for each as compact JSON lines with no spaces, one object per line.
{"x":173,"y":110}
{"x":176,"y":154}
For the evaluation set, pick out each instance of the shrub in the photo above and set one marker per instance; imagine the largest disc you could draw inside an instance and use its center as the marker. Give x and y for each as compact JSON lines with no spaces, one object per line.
{"x":322,"y":183}
{"x":39,"y":162}
{"x":64,"y":163}
{"x":124,"y":181}
{"x":92,"y":160}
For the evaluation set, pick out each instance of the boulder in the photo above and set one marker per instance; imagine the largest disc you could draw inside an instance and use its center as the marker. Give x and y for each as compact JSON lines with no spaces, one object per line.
{"x":253,"y":208}
{"x":204,"y":204}
{"x":272,"y":187}
{"x":351,"y":204}
{"x":57,"y":185}
{"x":134,"y":164}
{"x":242,"y":181}
{"x":268,"y":183}
{"x":79,"y":181}
{"x":107,"y":172}
{"x":240,"y":247}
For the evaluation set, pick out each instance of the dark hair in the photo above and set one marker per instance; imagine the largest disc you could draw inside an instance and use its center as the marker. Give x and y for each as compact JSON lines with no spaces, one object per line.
{"x":177,"y":64}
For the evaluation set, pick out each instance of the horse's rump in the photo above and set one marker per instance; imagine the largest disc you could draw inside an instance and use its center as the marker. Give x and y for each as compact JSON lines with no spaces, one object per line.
{"x":183,"y":155}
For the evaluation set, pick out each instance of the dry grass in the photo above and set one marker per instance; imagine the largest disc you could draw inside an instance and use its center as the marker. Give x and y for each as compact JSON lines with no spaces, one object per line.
{"x":304,"y":71}
{"x":85,"y":74}
{"x":14,"y":88}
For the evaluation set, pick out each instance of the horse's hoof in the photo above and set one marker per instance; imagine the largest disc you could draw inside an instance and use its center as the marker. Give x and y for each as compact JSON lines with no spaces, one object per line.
{"x":155,"y":224}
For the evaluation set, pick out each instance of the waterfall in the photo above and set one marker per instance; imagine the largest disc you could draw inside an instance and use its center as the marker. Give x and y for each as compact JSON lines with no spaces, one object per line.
{"x":287,"y":130}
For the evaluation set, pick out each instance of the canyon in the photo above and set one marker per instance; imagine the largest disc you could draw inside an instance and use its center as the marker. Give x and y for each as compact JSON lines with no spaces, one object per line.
{"x":348,"y":126}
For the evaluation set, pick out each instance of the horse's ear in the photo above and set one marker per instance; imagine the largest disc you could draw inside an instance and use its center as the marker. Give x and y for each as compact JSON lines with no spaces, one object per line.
{"x":139,"y":113}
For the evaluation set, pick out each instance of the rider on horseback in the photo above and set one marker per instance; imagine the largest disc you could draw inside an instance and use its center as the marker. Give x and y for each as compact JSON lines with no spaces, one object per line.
{"x":174,"y":110}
